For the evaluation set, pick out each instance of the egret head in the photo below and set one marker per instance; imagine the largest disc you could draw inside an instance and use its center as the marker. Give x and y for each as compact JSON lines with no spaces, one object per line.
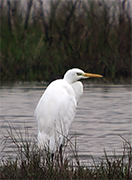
{"x":76,"y":74}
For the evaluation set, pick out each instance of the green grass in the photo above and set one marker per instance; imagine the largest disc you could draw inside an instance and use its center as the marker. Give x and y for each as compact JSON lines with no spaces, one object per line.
{"x":28,"y":162}
{"x":39,"y":48}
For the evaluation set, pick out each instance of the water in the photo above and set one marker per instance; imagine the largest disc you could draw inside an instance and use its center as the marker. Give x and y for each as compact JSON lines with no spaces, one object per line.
{"x":103,"y":115}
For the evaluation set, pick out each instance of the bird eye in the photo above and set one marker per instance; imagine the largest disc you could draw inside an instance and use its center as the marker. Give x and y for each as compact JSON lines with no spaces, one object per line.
{"x":79,"y":74}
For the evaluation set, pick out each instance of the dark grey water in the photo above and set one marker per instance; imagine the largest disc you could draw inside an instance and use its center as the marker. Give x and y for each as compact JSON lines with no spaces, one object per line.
{"x":104,"y":114}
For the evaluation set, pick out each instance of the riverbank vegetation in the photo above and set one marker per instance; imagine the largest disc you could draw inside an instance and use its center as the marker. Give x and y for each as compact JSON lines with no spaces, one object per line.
{"x":40,"y":45}
{"x":28,"y":162}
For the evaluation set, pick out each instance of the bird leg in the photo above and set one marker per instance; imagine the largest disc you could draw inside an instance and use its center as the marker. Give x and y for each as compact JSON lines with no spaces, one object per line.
{"x":52,"y":157}
{"x":60,"y":152}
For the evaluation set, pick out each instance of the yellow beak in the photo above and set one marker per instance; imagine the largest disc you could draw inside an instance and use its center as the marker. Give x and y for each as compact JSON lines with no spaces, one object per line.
{"x":92,"y":75}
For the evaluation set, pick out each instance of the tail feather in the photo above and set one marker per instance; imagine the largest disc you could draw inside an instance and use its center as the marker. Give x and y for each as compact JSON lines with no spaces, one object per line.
{"x":47,"y":142}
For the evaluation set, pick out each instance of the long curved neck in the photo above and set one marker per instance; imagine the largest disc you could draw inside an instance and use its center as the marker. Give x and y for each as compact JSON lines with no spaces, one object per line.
{"x":67,"y":79}
{"x":78,"y":89}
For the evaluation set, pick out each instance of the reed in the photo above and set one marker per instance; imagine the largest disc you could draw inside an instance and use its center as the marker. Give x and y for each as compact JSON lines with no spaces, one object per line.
{"x":41,"y":46}
{"x":28,"y":162}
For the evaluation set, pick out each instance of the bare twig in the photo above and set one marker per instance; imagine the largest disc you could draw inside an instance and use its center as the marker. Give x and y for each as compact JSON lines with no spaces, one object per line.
{"x":27,"y":16}
{"x":9,"y":15}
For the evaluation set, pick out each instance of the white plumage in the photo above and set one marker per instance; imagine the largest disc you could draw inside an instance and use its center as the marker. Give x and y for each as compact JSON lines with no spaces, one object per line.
{"x":57,"y":107}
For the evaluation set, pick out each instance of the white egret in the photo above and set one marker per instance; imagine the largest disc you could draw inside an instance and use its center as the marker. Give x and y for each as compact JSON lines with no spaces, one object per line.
{"x":57,"y":107}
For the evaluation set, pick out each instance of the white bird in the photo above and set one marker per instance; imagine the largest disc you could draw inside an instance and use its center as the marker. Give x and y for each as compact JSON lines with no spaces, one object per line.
{"x":57,"y":107}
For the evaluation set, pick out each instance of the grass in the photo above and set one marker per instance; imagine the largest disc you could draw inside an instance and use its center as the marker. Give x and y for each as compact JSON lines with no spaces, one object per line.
{"x":85,"y":34}
{"x":28,"y":162}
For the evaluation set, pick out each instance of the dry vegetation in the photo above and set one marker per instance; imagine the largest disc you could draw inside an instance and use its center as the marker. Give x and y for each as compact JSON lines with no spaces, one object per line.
{"x":28,"y":162}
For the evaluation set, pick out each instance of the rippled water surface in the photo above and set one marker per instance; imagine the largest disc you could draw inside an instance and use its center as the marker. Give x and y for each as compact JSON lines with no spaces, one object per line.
{"x":103,"y":115}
